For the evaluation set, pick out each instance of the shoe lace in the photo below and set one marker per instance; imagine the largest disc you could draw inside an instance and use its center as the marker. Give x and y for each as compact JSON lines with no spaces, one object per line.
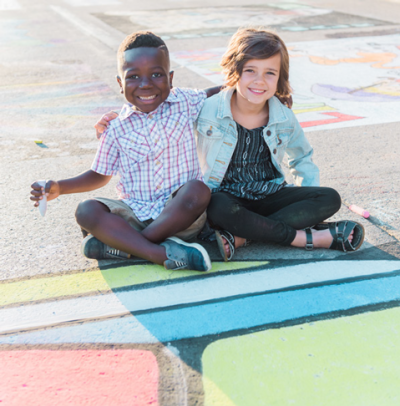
{"x":180,"y":264}
{"x":114,"y":252}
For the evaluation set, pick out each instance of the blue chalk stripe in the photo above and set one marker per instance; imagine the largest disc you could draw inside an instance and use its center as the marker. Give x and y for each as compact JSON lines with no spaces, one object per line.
{"x":222,"y":316}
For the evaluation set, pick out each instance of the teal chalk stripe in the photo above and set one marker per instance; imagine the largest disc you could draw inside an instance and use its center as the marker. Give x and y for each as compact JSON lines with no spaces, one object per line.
{"x":222,"y":316}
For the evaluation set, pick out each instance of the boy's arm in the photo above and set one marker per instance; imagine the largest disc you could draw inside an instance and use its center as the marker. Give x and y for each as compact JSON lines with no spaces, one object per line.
{"x":210,"y":91}
{"x":84,"y":182}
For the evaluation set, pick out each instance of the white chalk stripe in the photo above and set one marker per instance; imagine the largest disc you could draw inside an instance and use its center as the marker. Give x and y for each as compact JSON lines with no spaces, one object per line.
{"x":48,"y":314}
{"x":186,"y":292}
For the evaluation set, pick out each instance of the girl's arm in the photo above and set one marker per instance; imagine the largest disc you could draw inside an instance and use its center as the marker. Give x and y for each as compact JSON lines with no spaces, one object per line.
{"x":300,"y":153}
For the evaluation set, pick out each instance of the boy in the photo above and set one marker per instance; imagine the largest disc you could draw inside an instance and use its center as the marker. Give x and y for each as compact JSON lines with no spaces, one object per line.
{"x":152,"y":146}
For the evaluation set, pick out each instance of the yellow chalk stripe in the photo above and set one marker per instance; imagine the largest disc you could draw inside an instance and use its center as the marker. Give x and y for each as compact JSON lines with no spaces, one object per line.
{"x":94,"y":281}
{"x":307,"y":110}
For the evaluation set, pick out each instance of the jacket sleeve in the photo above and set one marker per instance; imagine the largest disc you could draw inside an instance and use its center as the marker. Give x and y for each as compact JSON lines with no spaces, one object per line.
{"x":300,"y":152}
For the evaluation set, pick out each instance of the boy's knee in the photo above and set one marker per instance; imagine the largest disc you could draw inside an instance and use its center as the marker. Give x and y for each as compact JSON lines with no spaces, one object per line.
{"x":198,"y":194}
{"x":87,"y":213}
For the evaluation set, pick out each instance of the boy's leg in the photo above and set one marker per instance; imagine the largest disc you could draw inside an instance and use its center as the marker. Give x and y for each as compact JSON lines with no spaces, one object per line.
{"x":115,"y":231}
{"x":94,"y":217}
{"x":189,"y":202}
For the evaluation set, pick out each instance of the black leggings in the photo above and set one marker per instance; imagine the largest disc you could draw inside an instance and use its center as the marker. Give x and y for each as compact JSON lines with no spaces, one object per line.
{"x":275,"y":218}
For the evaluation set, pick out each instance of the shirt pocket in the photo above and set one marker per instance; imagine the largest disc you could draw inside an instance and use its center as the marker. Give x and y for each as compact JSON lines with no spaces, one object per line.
{"x":207,"y":131}
{"x":283,"y":136}
{"x":134,"y":149}
{"x":177,"y":128}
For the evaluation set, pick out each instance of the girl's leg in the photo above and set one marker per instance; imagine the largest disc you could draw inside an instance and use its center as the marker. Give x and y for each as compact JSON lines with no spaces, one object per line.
{"x":278,"y":217}
{"x":231,"y":213}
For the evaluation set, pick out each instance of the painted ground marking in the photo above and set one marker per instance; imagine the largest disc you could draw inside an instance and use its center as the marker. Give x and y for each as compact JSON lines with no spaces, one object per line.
{"x":345,"y":78}
{"x":215,"y":314}
{"x":89,"y":377}
{"x":346,"y":361}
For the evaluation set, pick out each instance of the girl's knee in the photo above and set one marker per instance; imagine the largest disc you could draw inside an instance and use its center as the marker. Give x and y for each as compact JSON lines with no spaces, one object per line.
{"x":334,"y":198}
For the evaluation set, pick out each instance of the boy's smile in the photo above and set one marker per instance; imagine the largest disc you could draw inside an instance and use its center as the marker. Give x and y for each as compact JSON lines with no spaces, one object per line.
{"x":259,"y":79}
{"x":145,"y":78}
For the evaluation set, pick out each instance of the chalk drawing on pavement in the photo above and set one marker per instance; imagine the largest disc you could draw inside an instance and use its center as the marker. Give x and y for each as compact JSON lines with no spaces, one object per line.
{"x":260,"y":320}
{"x":336,"y":82}
{"x":220,"y":21}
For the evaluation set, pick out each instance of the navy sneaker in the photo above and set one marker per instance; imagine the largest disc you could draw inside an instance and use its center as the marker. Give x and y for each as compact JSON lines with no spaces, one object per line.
{"x":183,"y":255}
{"x":93,"y":248}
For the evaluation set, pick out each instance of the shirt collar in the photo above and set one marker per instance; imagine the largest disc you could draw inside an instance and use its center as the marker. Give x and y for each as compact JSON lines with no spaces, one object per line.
{"x":128,"y":109}
{"x":277,"y":112}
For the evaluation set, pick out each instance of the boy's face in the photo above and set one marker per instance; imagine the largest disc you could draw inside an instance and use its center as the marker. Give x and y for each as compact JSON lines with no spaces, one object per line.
{"x":144,"y":78}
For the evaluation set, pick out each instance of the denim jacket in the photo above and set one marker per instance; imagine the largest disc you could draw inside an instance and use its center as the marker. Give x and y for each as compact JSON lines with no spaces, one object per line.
{"x":217,"y":138}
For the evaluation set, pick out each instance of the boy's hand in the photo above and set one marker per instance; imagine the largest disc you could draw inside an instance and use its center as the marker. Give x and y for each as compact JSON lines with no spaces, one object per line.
{"x":52,"y":191}
{"x":103,"y":123}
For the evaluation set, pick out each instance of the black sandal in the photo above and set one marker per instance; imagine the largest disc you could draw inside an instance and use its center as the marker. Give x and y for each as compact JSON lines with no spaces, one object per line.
{"x":340,"y":231}
{"x":220,"y":236}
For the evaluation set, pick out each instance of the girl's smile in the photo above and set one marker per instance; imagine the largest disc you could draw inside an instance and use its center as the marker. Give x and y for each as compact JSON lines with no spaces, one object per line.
{"x":259,"y":80}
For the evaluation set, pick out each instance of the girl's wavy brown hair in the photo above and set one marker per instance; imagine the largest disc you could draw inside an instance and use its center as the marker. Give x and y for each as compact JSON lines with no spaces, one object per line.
{"x":255,"y":43}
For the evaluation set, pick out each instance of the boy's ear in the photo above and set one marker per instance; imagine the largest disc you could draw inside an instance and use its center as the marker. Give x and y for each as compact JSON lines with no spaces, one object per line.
{"x":171,"y":76}
{"x":120,"y":84}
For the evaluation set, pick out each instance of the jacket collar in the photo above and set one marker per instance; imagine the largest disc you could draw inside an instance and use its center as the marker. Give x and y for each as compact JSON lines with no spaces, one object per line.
{"x":277,"y":113}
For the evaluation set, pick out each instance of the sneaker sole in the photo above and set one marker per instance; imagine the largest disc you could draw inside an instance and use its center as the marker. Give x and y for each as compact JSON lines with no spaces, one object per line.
{"x":197,"y":246}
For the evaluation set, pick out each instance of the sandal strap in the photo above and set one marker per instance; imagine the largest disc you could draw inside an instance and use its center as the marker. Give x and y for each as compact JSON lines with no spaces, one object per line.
{"x":309,"y":240}
{"x":230,"y":239}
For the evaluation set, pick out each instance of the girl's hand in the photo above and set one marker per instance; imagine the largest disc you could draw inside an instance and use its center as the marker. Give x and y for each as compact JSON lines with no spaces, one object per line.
{"x":52,"y":191}
{"x":103,"y":123}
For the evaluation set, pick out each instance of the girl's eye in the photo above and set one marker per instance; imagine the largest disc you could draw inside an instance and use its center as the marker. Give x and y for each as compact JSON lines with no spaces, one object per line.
{"x":249,"y":70}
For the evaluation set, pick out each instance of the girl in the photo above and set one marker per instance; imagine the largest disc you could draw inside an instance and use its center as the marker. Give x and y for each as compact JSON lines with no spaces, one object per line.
{"x":243,"y":134}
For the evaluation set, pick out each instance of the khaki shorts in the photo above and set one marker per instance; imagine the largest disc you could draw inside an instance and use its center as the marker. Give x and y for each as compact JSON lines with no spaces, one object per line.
{"x":121,"y":209}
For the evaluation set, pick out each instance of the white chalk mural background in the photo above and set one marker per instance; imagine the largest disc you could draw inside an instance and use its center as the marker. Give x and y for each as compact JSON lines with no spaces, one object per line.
{"x":337,"y":83}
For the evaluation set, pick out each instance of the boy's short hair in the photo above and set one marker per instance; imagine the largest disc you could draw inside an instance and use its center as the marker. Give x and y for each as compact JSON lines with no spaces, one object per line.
{"x":253,"y":43}
{"x":140,"y":39}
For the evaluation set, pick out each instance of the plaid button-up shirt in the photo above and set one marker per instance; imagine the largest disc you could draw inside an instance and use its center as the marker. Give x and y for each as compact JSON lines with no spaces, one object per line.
{"x":154,"y":153}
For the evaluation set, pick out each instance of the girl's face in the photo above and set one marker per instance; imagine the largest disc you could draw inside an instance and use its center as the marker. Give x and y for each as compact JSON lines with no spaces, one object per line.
{"x":259,"y":79}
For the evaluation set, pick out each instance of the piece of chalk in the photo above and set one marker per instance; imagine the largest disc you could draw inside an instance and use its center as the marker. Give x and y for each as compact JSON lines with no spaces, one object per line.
{"x":359,"y":210}
{"x":43,"y":201}
{"x":38,"y":142}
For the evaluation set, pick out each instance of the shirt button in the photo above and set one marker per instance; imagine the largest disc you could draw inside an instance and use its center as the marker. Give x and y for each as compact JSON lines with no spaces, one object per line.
{"x":274,"y":151}
{"x":158,"y":187}
{"x":150,"y":116}
{"x":158,"y":163}
{"x":209,"y":132}
{"x":268,"y":133}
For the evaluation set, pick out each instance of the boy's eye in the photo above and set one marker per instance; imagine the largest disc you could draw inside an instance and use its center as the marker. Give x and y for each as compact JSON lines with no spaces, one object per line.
{"x":133,"y":77}
{"x":156,"y":75}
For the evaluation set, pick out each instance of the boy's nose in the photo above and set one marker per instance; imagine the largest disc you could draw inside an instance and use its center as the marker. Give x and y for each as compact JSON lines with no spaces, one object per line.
{"x":145,"y":82}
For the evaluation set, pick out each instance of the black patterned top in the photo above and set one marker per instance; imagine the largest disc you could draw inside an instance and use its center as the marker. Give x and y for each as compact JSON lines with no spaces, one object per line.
{"x":250,"y":171}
